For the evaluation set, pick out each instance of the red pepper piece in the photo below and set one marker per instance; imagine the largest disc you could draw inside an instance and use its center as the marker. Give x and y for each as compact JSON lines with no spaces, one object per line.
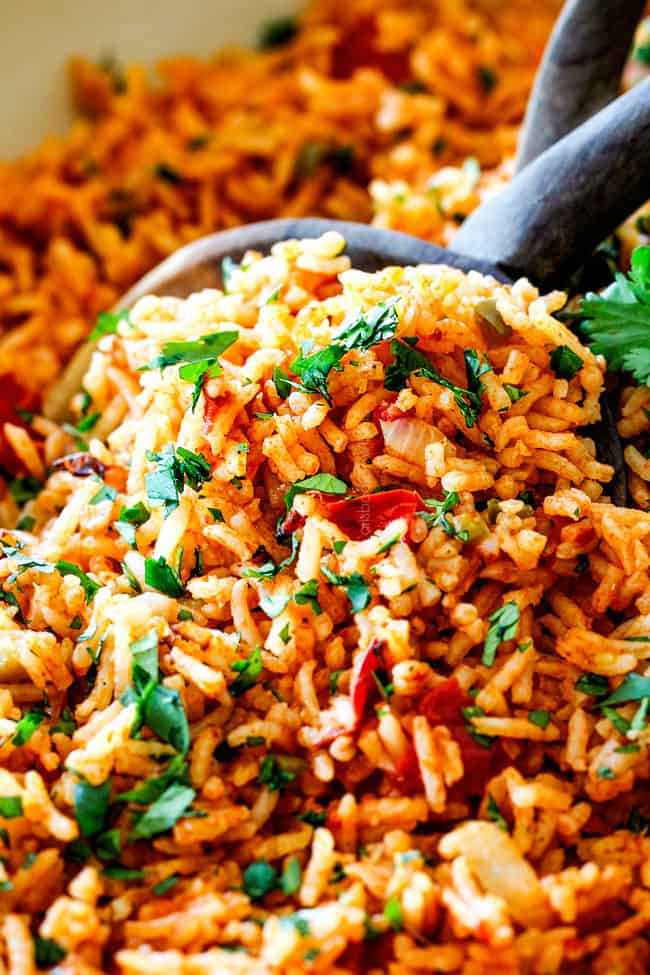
{"x":363,"y":683}
{"x":361,"y":517}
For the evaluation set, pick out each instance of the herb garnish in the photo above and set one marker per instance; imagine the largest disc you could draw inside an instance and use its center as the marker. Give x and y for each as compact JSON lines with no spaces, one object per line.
{"x":199,"y":358}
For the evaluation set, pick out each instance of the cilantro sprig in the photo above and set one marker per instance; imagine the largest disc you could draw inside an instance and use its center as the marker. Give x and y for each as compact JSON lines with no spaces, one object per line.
{"x":200,"y":358}
{"x":408,"y":360}
{"x":617,"y":322}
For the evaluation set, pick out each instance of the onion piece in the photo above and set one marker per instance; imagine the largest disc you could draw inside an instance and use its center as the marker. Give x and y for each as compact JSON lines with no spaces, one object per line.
{"x":407,"y":437}
{"x":493,"y":856}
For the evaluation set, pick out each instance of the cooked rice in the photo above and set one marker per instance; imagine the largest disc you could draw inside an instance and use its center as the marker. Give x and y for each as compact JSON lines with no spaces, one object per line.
{"x":406,"y":801}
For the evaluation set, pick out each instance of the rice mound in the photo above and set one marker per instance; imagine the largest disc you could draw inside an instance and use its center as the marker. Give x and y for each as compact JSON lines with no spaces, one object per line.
{"x":299,"y":663}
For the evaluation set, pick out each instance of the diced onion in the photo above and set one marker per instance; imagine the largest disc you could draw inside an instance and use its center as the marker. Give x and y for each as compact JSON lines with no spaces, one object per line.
{"x":408,"y":436}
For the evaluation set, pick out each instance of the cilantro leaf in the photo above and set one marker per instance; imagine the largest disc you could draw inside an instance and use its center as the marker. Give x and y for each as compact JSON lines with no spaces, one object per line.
{"x":594,"y":684}
{"x":355,"y":586}
{"x":541,"y":718}
{"x":249,"y":670}
{"x":25,"y":728}
{"x":144,"y":653}
{"x":504,"y":625}
{"x":161,"y":576}
{"x":24,"y":489}
{"x":107,"y":323}
{"x":291,"y":878}
{"x":166,"y":483}
{"x":632,"y":688}
{"x":439,"y":515}
{"x":105,"y":493}
{"x":151,"y":789}
{"x":393,"y":913}
{"x":308,"y":595}
{"x":11,"y":807}
{"x":326,"y":483}
{"x":164,"y":714}
{"x":164,"y":812}
{"x":91,"y":805}
{"x":199,"y":357}
{"x":565,"y":363}
{"x":376,"y":325}
{"x":274,"y":774}
{"x":274,"y":605}
{"x":89,"y":586}
{"x":313,"y":370}
{"x":47,"y":952}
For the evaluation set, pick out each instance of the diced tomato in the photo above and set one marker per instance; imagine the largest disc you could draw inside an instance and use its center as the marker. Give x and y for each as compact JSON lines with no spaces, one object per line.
{"x":407,"y":772}
{"x":361,"y":517}
{"x":363,"y":683}
{"x":444,"y":705}
{"x":359,"y":49}
{"x":12,"y":396}
{"x":116,"y":477}
{"x":387,"y":411}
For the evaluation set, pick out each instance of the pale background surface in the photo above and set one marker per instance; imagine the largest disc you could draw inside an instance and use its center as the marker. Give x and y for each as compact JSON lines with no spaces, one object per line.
{"x":37,"y":37}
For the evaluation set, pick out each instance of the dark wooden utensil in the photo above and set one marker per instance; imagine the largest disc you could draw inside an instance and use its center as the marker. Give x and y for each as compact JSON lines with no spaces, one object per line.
{"x":580,"y":72}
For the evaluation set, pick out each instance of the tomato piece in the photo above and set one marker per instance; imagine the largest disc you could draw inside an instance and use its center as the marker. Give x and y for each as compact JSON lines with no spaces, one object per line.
{"x":361,"y":517}
{"x":359,"y":49}
{"x":444,"y":705}
{"x":363,"y":683}
{"x":407,"y":772}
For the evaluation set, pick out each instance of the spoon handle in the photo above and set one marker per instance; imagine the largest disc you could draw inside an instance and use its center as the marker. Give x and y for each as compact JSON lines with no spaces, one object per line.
{"x":553,"y":214}
{"x":580,"y":72}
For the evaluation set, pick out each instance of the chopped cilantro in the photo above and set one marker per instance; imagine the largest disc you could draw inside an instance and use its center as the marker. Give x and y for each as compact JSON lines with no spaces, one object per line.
{"x":11,"y":807}
{"x":89,"y":586}
{"x":199,"y":358}
{"x":285,"y":634}
{"x":274,"y":775}
{"x":633,"y":688}
{"x":163,"y":886}
{"x":161,"y":576}
{"x":91,"y":805}
{"x":248,"y":670}
{"x":594,"y":684}
{"x":27,"y":725}
{"x":617,"y":321}
{"x":105,"y":493}
{"x":438,"y":517}
{"x":274,"y":605}
{"x":107,"y":323}
{"x":604,"y":772}
{"x":393,"y":913}
{"x":367,"y":329}
{"x":24,"y":489}
{"x":408,"y":360}
{"x":217,"y":515}
{"x":165,"y":484}
{"x":326,"y":483}
{"x":355,"y":586}
{"x":308,"y":595}
{"x":164,"y":812}
{"x":541,"y":718}
{"x":47,"y":952}
{"x":312,"y":818}
{"x":313,"y":370}
{"x":504,"y":625}
{"x":565,"y":363}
